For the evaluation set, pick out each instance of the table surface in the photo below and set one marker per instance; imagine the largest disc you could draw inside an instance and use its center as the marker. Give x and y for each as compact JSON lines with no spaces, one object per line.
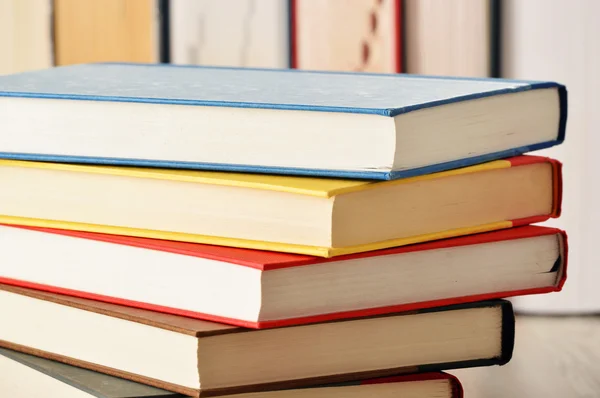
{"x":553,"y":357}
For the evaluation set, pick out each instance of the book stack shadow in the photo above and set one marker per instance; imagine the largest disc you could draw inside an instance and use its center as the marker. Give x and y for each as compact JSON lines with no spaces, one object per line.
{"x":202,"y":231}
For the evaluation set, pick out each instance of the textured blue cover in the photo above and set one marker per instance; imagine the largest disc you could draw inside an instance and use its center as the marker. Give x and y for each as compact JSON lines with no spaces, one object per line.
{"x":380,"y":94}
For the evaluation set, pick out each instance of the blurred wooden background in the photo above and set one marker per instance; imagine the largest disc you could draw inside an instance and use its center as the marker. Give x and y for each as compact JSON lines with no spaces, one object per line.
{"x":522,"y":39}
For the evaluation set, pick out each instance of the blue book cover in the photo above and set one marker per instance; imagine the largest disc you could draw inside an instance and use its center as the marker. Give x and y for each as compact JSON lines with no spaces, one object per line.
{"x":349,"y":125}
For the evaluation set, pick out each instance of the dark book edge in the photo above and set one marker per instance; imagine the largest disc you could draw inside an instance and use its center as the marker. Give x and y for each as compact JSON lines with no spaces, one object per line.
{"x":21,"y":358}
{"x":495,"y":10}
{"x":508,"y":333}
{"x":164,"y":31}
{"x":562,"y":125}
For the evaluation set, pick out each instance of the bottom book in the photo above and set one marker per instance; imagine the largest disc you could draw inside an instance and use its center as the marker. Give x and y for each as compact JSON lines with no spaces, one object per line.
{"x":25,"y":376}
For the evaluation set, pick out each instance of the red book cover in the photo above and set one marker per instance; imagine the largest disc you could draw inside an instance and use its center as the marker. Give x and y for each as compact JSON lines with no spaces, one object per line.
{"x":271,"y":261}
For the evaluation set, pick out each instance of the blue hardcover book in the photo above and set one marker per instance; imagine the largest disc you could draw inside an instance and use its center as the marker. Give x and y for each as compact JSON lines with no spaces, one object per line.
{"x":371,"y":126}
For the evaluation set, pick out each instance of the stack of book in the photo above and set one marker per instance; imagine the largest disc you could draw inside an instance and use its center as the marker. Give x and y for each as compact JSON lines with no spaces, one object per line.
{"x":218,"y":231}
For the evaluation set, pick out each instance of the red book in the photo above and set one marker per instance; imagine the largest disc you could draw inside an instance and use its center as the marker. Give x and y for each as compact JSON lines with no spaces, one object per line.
{"x":260,"y":289}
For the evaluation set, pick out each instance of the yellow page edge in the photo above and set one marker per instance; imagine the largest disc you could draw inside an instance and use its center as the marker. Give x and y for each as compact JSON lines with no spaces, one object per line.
{"x":251,"y":244}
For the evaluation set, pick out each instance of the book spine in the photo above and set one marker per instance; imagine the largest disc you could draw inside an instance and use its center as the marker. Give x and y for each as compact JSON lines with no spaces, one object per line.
{"x":293,"y":34}
{"x":164,"y":34}
{"x":399,"y":35}
{"x":495,"y":38}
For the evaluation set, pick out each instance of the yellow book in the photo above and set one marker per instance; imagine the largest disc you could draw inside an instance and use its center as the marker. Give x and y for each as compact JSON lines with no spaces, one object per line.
{"x":316,"y":216}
